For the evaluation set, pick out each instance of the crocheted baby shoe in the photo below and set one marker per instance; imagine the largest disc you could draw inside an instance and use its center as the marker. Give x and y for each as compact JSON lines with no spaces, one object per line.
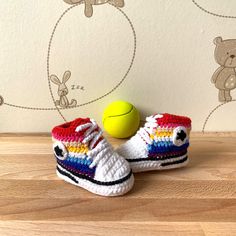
{"x":86,"y":159}
{"x":161,"y":144}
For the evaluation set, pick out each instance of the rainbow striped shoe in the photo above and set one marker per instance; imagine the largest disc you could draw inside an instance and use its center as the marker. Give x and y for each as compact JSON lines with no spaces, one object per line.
{"x":161,"y":144}
{"x":85,"y":158}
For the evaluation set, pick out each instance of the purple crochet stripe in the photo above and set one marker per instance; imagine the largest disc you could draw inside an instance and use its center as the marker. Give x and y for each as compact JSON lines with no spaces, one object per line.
{"x":90,"y":173}
{"x":169,"y":155}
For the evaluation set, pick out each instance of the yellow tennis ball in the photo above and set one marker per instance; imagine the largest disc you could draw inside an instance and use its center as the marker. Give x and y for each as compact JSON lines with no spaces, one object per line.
{"x":121,"y":119}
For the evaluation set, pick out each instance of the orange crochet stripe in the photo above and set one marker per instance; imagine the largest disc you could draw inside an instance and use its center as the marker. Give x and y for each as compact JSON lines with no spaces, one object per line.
{"x":81,"y":148}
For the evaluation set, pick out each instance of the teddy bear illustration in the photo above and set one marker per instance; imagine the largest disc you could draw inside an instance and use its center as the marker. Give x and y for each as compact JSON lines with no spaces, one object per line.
{"x":224,"y":77}
{"x":89,"y":4}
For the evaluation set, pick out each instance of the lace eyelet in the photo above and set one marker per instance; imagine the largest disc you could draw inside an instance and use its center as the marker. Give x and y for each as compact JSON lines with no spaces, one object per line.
{"x":60,"y":151}
{"x":180,"y":136}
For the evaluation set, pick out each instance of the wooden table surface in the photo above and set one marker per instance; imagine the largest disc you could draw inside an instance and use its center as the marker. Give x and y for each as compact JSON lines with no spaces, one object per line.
{"x":199,"y":199}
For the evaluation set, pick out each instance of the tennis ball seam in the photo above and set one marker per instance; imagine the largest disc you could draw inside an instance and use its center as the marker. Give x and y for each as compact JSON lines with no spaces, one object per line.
{"x":118,"y":115}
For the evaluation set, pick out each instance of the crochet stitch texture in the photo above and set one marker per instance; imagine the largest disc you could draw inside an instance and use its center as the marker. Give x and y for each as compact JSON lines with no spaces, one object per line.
{"x":161,"y":144}
{"x":85,"y":158}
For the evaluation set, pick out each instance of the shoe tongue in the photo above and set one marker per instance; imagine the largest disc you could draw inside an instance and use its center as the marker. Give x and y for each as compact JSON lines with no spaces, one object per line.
{"x":80,"y":134}
{"x":80,"y":121}
{"x":170,"y":120}
{"x":66,"y":132}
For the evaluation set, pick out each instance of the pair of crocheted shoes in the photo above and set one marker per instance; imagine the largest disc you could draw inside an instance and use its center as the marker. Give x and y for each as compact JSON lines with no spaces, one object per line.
{"x":86,"y":159}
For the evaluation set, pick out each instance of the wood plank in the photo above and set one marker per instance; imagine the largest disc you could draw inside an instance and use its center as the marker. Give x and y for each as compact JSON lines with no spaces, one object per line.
{"x":42,"y":166}
{"x":75,"y":228}
{"x":203,"y":148}
{"x":9,"y":228}
{"x":218,"y":229}
{"x":47,"y":172}
{"x":143,"y":189}
{"x":118,"y":209}
{"x":197,"y":200}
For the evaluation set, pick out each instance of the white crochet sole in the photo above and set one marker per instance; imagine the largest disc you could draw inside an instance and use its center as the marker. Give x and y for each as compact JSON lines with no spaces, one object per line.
{"x":103,"y":190}
{"x":172,"y":163}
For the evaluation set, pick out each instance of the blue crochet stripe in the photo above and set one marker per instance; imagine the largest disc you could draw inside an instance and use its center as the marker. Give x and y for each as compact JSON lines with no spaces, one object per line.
{"x":162,"y":147}
{"x":81,"y":161}
{"x":80,"y":165}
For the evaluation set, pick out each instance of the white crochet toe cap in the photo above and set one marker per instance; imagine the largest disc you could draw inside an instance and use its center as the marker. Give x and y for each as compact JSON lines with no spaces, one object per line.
{"x":133,"y":149}
{"x":112,"y":168}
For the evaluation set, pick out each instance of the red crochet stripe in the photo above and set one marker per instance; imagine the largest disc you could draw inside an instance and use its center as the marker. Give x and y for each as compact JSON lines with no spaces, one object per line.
{"x":66,"y":132}
{"x":168,"y":119}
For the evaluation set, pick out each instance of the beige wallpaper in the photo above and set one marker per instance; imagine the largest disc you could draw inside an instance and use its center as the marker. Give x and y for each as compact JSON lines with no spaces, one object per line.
{"x":172,"y":70}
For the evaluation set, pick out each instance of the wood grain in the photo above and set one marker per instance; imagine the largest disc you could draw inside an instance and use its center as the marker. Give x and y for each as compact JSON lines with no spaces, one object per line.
{"x":197,"y":200}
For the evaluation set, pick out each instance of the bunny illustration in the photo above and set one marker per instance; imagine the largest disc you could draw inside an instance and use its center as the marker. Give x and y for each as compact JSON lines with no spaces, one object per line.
{"x":89,"y":4}
{"x":63,"y":90}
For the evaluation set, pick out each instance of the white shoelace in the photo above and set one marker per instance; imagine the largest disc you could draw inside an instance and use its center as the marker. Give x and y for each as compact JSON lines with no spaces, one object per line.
{"x":92,"y":135}
{"x":149,"y":127}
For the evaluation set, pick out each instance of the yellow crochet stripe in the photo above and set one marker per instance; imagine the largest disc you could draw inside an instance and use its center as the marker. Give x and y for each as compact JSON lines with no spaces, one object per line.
{"x":78,"y":149}
{"x":161,"y":134}
{"x":165,"y":133}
